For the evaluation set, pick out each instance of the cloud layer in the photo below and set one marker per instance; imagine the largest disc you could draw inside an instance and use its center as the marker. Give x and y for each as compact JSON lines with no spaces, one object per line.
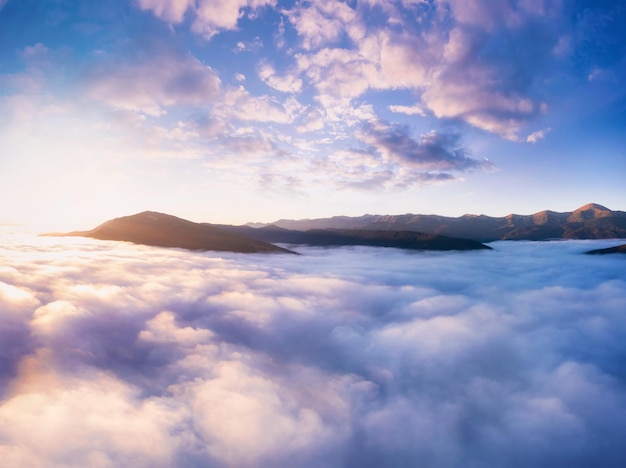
{"x":119,"y":355}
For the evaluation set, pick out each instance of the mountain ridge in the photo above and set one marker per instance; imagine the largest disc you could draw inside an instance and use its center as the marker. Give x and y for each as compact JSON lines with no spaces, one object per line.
{"x":410,"y":240}
{"x":163,"y":230}
{"x":590,"y":221}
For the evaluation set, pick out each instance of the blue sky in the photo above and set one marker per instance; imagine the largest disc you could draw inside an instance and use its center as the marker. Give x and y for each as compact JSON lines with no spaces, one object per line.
{"x":254,"y":110}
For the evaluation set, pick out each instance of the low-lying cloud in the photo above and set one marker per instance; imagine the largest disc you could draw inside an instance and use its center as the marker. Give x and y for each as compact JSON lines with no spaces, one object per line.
{"x":122,"y":355}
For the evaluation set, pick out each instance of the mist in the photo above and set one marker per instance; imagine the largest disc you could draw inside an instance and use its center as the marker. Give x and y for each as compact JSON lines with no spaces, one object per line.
{"x":113,"y":354}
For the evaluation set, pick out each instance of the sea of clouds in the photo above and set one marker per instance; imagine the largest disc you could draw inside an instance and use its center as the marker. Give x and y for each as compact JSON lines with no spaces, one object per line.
{"x":113,"y":354}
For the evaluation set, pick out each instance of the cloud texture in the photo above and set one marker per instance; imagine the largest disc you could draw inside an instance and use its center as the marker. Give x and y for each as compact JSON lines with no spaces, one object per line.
{"x":369,"y":100}
{"x":121,"y":355}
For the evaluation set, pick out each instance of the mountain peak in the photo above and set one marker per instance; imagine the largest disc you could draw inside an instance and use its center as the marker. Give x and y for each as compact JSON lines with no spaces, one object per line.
{"x":592,"y":206}
{"x":164,"y":230}
{"x":153,"y":215}
{"x":589,"y":211}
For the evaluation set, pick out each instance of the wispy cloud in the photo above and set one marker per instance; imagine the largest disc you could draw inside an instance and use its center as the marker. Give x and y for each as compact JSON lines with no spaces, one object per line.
{"x":154,"y":82}
{"x":408,"y":110}
{"x":534,"y":137}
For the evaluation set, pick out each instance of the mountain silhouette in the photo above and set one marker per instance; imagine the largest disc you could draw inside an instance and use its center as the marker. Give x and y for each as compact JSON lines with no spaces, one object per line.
{"x":591,"y":221}
{"x":375,"y":238}
{"x":163,"y":230}
{"x":610,"y":250}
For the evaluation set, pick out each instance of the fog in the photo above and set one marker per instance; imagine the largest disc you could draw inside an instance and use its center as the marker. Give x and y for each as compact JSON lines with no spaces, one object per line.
{"x":113,"y":354}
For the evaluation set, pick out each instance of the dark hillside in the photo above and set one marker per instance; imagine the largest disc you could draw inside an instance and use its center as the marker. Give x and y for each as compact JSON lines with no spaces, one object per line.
{"x":162,"y":230}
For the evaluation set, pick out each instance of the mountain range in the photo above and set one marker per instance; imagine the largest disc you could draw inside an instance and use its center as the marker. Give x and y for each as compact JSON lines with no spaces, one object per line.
{"x":591,"y":221}
{"x":163,"y":230}
{"x":409,"y":231}
{"x":374,"y":238}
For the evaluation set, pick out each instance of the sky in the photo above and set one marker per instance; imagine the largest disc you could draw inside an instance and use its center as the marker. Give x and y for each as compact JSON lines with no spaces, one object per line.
{"x":114,"y":354}
{"x":234,"y":111}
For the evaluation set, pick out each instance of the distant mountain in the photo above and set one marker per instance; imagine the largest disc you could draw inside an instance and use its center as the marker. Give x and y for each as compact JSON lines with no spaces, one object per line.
{"x":618,"y":249}
{"x":163,"y":230}
{"x":591,"y":221}
{"x":376,"y":238}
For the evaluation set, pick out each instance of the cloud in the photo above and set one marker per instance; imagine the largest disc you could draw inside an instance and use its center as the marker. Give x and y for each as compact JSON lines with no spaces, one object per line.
{"x":367,"y":170}
{"x":433,"y":151}
{"x":251,"y":145}
{"x":251,"y":46}
{"x":209,"y":16}
{"x":115,"y":354}
{"x":33,"y":77}
{"x":538,"y":135}
{"x":172,"y":11}
{"x":379,"y":155}
{"x":35,"y":51}
{"x":151,"y":83}
{"x":312,"y":120}
{"x":447,"y":61}
{"x":477,"y":62}
{"x":286,"y":84}
{"x":277,"y":182}
{"x":493,"y":58}
{"x":408,"y":110}
{"x":324,"y":23}
{"x":23,"y":83}
{"x":338,"y":74}
{"x":354,"y":168}
{"x":238,"y":103}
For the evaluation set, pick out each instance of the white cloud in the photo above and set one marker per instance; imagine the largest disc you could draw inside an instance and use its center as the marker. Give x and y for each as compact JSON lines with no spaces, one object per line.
{"x":408,"y":110}
{"x":406,"y":60}
{"x":449,"y":54}
{"x":251,"y":46}
{"x":338,"y":73}
{"x":312,"y":120}
{"x":114,"y":354}
{"x":239,"y":104}
{"x":325,"y":22}
{"x":287,"y":83}
{"x":209,"y":16}
{"x":534,"y":137}
{"x":172,"y":11}
{"x":93,"y":419}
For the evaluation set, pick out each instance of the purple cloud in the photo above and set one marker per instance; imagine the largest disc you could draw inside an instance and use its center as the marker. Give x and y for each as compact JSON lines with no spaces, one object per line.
{"x":116,"y":354}
{"x":433,"y":151}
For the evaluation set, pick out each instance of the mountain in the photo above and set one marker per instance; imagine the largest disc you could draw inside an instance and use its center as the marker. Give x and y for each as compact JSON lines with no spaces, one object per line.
{"x":618,"y":249}
{"x":376,"y":238}
{"x":163,"y":230}
{"x":591,"y":221}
